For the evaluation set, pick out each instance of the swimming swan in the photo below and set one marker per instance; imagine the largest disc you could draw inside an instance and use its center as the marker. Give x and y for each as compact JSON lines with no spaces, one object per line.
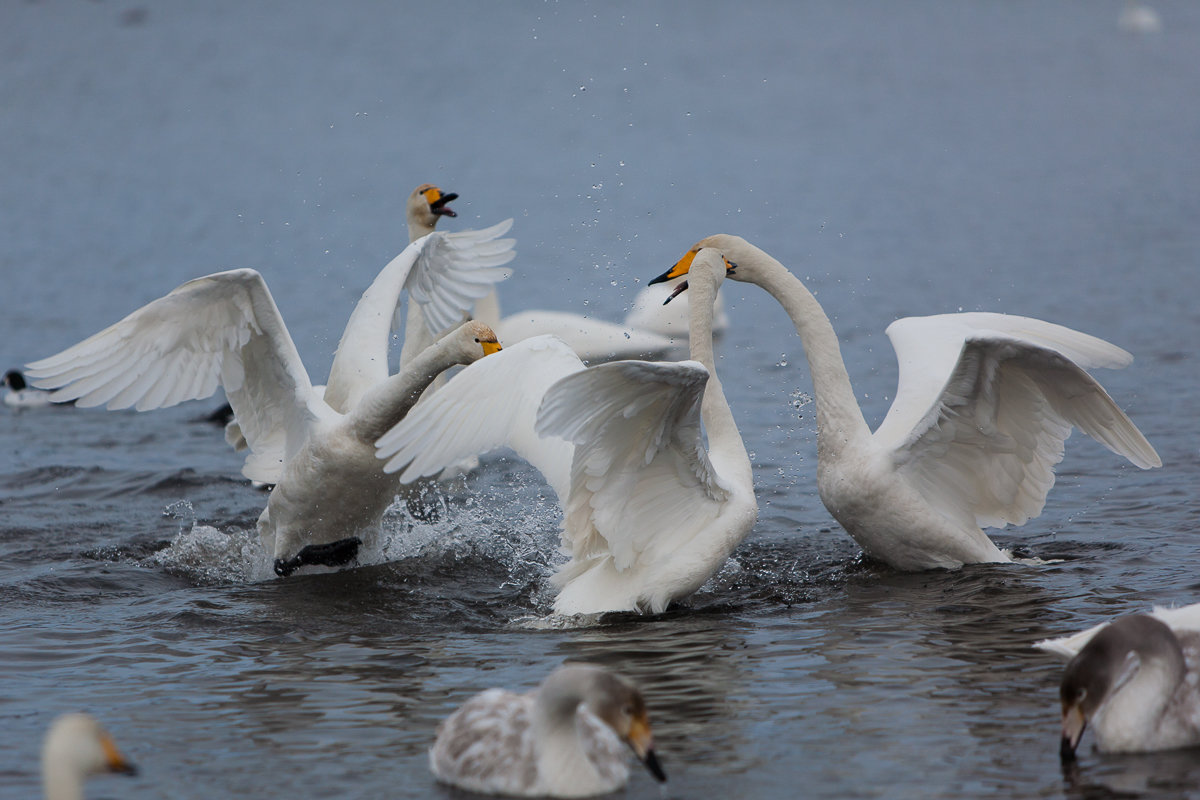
{"x":225,"y":329}
{"x":1136,"y":678}
{"x":75,"y":748}
{"x":982,"y":409}
{"x":649,"y":513}
{"x":566,"y":738}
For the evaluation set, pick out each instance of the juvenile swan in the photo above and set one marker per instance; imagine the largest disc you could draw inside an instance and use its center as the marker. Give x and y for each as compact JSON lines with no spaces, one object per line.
{"x":564,"y":739}
{"x":225,"y":330}
{"x":1136,"y":678}
{"x":982,"y":409}
{"x":75,"y":748}
{"x":649,"y":512}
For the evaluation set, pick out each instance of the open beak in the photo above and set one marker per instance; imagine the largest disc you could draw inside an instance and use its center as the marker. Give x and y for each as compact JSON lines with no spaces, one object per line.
{"x":1073,"y":724}
{"x":643,"y":747}
{"x":438,"y":205}
{"x":113,"y":758}
{"x":681,"y":268}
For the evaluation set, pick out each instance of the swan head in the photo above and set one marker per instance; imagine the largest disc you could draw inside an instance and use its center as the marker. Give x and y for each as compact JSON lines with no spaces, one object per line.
{"x":684,"y":265}
{"x":615,"y":701}
{"x":473,"y":340}
{"x":1109,"y":661}
{"x":76,"y":747}
{"x":426,"y":205}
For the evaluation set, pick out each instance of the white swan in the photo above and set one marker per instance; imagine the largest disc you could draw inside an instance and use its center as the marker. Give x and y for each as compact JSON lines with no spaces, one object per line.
{"x":594,"y":340}
{"x":225,"y":329}
{"x":1136,"y":678}
{"x":649,"y":514}
{"x":983,"y":406}
{"x":564,"y":739}
{"x":651,"y":312}
{"x":75,"y":748}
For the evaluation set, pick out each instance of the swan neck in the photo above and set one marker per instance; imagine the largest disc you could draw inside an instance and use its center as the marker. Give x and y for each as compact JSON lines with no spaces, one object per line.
{"x":60,"y":784}
{"x":389,"y":402}
{"x":724,"y":441}
{"x":839,"y":418}
{"x":562,"y":761}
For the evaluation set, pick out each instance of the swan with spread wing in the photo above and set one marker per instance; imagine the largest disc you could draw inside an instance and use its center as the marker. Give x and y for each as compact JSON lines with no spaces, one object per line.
{"x":316,"y":448}
{"x":983,"y":407}
{"x":650,"y":513}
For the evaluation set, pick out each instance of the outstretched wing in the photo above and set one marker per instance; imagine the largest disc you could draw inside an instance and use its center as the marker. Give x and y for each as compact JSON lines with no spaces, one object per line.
{"x":219,"y":330}
{"x":445,"y":272}
{"x":456,"y":269}
{"x":985,"y":404}
{"x":490,"y":404}
{"x":640,"y":478}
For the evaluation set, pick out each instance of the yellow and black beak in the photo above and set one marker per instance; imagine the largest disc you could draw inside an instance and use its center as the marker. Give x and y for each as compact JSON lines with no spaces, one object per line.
{"x":490,"y":347}
{"x":681,"y":268}
{"x":1073,"y":725}
{"x":437,"y":201}
{"x":113,"y":759}
{"x":643,"y":747}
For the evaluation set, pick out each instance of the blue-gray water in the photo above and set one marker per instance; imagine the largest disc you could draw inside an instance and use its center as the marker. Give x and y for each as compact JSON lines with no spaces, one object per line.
{"x":904,"y":158}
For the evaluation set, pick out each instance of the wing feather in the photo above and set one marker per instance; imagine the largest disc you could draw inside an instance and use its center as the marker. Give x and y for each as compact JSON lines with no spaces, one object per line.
{"x":986,"y":448}
{"x":640,"y":475}
{"x":220,"y":329}
{"x":490,"y":404}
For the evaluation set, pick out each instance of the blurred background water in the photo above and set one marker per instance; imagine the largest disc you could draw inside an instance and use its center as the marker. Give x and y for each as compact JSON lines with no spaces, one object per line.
{"x":903,"y":158}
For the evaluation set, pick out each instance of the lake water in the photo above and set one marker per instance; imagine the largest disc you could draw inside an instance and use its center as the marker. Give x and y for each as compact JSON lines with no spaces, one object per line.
{"x":903,"y":158}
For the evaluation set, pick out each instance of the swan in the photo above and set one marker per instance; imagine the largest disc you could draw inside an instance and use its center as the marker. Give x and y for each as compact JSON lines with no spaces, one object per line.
{"x":648,"y":513}
{"x":564,"y":739}
{"x":1136,"y":678}
{"x":594,"y":340}
{"x":22,"y":395}
{"x":225,"y":329}
{"x":651,"y":312}
{"x":75,"y":748}
{"x":983,"y":407}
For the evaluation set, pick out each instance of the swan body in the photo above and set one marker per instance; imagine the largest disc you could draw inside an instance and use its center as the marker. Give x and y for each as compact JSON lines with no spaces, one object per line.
{"x":983,"y":407}
{"x":594,"y":340}
{"x":649,"y":512}
{"x":317,"y":449}
{"x":76,"y":747}
{"x":22,"y":395}
{"x":651,"y":312}
{"x":566,"y":738}
{"x":1137,"y":679}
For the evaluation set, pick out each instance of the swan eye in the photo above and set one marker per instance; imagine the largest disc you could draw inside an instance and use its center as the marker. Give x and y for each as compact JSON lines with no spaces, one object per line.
{"x":476,"y":340}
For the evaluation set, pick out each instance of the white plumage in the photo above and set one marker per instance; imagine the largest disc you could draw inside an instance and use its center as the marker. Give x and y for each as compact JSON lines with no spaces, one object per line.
{"x":983,"y":407}
{"x":649,"y":512}
{"x":225,"y":330}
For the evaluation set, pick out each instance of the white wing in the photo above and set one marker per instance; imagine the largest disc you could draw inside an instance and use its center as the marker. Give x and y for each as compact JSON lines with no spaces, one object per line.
{"x":1185,"y":618}
{"x":456,"y":269}
{"x":492,"y":403}
{"x":445,"y":272}
{"x":995,"y":411}
{"x":219,"y":330}
{"x":594,"y":340}
{"x":640,"y":479}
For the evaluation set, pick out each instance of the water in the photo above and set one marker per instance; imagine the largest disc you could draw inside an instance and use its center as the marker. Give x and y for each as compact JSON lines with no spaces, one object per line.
{"x":904,"y":158}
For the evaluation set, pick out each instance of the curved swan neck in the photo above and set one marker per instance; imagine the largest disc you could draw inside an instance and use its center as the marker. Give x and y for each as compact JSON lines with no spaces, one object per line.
{"x":839,"y":418}
{"x":389,"y":402}
{"x":724,"y":441}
